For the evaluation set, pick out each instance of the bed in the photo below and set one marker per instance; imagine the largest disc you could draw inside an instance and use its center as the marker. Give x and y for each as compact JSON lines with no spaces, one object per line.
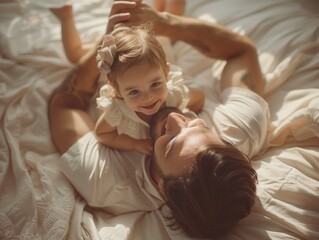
{"x":38,"y":202}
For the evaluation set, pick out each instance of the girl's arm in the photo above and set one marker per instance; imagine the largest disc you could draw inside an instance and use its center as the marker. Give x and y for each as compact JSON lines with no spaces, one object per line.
{"x":70,"y":36}
{"x":108,"y":136}
{"x":196,"y":100}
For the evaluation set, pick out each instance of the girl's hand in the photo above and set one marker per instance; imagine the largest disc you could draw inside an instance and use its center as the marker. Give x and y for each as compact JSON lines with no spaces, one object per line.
{"x":144,"y":146}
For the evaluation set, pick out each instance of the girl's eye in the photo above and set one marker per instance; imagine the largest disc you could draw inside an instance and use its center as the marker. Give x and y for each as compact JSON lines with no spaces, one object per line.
{"x":156,"y":84}
{"x":133,"y":92}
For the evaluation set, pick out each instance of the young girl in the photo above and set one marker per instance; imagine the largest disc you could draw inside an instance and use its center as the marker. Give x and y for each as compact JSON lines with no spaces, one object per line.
{"x":139,"y":83}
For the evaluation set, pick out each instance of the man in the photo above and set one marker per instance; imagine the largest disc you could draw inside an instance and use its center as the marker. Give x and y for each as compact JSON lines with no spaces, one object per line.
{"x":208,"y":184}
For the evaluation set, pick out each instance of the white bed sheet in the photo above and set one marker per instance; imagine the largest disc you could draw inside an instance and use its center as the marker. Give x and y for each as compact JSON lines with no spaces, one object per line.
{"x":37,"y":202}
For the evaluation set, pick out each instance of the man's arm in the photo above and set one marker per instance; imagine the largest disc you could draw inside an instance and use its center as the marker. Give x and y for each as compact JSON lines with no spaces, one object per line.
{"x":213,"y":40}
{"x":242,"y":68}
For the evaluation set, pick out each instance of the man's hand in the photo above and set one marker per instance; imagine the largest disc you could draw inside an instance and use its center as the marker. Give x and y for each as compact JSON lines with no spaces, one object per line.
{"x":133,"y":13}
{"x":120,"y":13}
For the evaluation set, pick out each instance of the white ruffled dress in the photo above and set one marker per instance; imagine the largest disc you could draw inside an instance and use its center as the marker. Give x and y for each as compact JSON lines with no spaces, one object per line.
{"x":126,"y":120}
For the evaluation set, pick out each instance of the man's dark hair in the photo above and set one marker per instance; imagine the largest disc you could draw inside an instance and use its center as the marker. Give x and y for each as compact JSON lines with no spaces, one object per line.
{"x":219,"y":191}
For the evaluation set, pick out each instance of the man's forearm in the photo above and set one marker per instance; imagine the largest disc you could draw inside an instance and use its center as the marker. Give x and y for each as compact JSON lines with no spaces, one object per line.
{"x":211,"y":39}
{"x":215,"y":41}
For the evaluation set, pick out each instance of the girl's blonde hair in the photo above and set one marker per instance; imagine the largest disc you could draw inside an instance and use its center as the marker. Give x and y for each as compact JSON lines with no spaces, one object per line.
{"x":135,"y":45}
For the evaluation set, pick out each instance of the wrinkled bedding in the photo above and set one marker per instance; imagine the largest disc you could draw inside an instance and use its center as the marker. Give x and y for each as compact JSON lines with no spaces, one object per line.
{"x":38,"y":202}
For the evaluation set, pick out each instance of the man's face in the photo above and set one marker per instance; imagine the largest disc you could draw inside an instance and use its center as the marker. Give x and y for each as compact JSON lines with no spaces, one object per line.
{"x":177,"y":140}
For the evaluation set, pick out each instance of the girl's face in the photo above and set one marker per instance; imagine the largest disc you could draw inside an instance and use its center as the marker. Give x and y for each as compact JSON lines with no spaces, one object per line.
{"x":143,"y":88}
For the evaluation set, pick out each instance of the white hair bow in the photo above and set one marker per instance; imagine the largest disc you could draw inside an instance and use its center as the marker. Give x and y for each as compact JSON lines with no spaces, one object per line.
{"x":106,"y":54}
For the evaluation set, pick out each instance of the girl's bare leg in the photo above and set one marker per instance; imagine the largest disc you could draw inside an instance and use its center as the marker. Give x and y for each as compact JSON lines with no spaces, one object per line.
{"x":176,"y":7}
{"x":68,"y":105}
{"x":159,"y":5}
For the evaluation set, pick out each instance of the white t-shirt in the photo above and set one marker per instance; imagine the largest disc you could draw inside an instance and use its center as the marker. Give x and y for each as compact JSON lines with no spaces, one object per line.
{"x":117,"y":181}
{"x":241,"y":117}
